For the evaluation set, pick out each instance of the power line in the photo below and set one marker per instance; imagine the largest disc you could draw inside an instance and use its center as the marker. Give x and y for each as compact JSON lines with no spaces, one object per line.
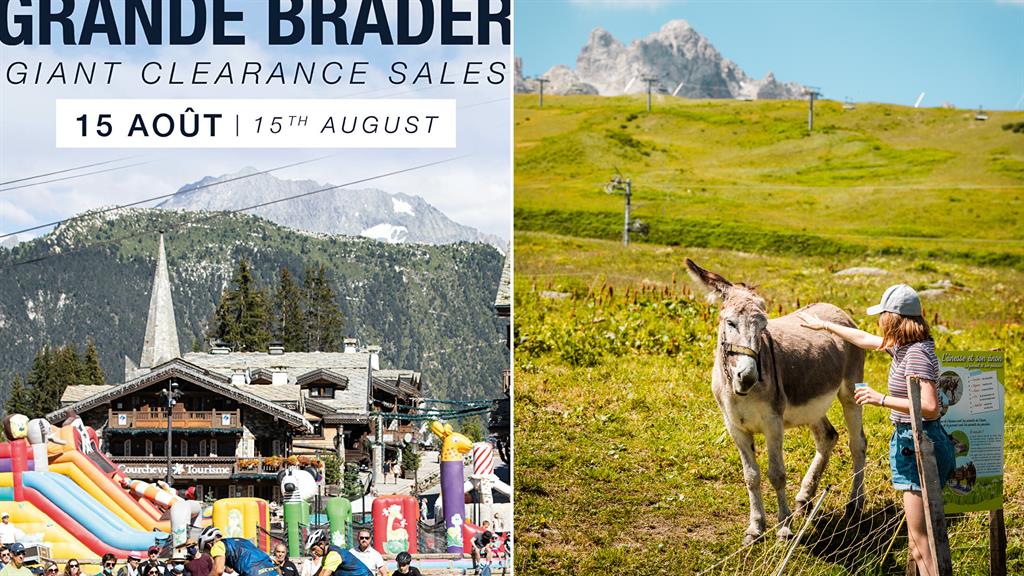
{"x":66,"y":170}
{"x":181,"y":192}
{"x":213,"y":215}
{"x":72,"y":177}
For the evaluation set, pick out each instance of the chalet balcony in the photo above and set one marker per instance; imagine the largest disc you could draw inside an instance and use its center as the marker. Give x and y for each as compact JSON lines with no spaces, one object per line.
{"x":180,"y":419}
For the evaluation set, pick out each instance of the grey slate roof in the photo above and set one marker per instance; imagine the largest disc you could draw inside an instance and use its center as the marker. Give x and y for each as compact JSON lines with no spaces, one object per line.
{"x":75,"y":393}
{"x":273,"y":393}
{"x":398,"y":382}
{"x":353,"y":365}
{"x":350,"y":404}
{"x":211,"y":380}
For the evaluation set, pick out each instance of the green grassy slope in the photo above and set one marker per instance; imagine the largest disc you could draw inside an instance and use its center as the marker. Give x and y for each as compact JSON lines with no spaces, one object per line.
{"x":622,"y":462}
{"x":878,"y":179}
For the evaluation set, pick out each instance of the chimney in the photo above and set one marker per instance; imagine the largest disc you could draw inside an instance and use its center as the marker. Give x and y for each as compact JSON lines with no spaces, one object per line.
{"x":350,"y":345}
{"x":238,"y":378}
{"x":374,"y":357}
{"x":275,"y":350}
{"x":279,"y":375}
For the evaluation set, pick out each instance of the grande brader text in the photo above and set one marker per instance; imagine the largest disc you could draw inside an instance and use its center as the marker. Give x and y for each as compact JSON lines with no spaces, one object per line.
{"x":188,"y":22}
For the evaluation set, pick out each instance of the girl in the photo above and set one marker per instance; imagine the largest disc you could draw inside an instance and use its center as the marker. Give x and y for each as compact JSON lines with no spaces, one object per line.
{"x":906,"y":338}
{"x":72,"y":568}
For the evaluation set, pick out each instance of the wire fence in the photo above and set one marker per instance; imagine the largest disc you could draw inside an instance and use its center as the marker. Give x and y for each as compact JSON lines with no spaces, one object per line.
{"x":872,"y":542}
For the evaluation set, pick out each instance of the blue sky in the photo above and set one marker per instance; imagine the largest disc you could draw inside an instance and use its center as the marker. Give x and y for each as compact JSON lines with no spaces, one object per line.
{"x":966,"y":53}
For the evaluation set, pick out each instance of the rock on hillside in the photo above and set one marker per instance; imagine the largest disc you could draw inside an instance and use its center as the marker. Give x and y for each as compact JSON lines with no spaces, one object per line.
{"x":371,"y":213}
{"x":677,"y":56}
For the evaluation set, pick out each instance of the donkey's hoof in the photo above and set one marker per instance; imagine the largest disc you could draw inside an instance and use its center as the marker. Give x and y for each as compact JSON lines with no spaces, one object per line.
{"x":751,"y":537}
{"x":801,"y":507}
{"x":784,"y":533}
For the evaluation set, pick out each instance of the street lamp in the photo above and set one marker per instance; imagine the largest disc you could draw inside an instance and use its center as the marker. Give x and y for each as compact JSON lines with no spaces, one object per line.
{"x":172,"y":393}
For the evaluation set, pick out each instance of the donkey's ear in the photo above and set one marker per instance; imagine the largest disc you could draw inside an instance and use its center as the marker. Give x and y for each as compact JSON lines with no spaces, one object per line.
{"x":716,"y":286}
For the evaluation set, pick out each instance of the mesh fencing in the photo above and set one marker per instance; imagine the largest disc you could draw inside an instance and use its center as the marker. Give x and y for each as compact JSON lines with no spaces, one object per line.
{"x":871,"y":542}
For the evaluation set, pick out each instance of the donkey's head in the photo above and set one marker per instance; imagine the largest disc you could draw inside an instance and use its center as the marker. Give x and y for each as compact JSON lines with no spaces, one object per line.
{"x":742,"y":320}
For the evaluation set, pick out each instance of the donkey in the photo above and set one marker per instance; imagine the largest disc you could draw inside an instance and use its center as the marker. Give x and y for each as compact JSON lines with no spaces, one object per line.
{"x":770,"y":375}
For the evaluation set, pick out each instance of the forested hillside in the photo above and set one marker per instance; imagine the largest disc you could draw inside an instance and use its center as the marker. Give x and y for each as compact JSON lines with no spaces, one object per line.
{"x":429,"y":307}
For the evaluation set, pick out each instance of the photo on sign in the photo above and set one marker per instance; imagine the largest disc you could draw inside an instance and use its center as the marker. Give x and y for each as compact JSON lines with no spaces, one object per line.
{"x":951,"y":389}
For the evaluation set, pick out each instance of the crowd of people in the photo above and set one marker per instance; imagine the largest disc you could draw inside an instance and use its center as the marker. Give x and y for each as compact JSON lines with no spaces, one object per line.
{"x":213,"y":555}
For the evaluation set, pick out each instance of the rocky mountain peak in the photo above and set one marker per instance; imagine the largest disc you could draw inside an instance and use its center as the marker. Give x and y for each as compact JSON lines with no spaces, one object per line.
{"x":601,"y":38}
{"x":682,"y":60}
{"x":676,"y":32}
{"x":371,"y":213}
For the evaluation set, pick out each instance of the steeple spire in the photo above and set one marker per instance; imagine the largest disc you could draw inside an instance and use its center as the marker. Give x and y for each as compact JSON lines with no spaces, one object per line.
{"x":161,"y":343}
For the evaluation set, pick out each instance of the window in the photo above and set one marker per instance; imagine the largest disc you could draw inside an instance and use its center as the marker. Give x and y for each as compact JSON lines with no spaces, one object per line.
{"x":213,"y":447}
{"x":184,"y":448}
{"x":276,"y":448}
{"x":127,"y":447}
{"x":321,"y":392}
{"x":202,"y":448}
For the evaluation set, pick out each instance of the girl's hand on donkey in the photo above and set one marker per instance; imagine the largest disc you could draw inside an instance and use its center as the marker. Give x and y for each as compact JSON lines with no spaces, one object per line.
{"x":811,"y":321}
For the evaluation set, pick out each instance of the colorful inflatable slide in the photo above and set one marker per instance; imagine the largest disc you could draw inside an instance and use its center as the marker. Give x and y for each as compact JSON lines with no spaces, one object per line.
{"x":62,"y":491}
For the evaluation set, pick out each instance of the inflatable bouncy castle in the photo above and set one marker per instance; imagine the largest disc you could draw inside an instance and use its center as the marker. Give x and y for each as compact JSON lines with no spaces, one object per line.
{"x":60,"y":489}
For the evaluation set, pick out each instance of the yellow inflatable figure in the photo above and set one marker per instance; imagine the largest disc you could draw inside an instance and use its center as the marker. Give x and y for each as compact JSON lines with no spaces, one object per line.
{"x":452,"y":468}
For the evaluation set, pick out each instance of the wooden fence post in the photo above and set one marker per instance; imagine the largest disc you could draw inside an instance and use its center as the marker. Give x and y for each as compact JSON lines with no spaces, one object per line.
{"x":931,"y":488}
{"x":996,"y":543}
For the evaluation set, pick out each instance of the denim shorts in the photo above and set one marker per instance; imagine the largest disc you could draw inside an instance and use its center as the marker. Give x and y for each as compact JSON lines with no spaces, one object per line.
{"x":903,"y":463}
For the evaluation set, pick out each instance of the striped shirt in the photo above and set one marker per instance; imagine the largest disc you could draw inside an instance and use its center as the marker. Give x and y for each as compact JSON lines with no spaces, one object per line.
{"x":917,"y":359}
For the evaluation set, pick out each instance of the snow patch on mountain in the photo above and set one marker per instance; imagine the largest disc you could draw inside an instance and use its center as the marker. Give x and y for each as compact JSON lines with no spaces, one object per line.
{"x":401,"y":207}
{"x":386,"y":233}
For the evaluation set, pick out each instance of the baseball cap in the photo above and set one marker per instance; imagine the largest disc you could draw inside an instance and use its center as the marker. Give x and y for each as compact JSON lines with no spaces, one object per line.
{"x":154,"y":550}
{"x":5,"y":515}
{"x":900,"y":299}
{"x":16,"y":548}
{"x":135,"y":555}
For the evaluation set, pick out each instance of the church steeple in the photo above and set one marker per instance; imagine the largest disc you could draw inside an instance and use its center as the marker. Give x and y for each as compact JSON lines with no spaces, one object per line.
{"x":161,"y":343}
